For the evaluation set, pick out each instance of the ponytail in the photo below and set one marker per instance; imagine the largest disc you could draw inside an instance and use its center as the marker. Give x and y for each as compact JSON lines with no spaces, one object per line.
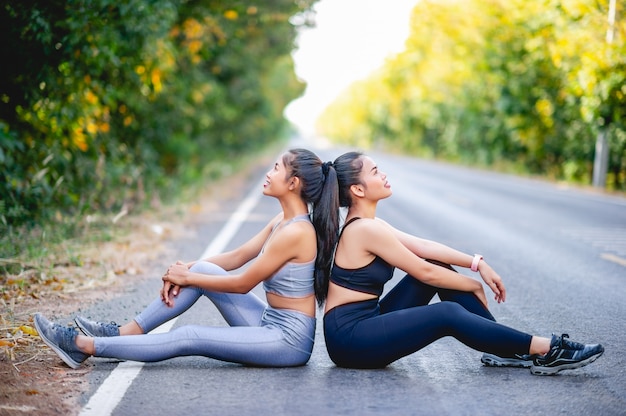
{"x":325,"y":219}
{"x":321,"y":191}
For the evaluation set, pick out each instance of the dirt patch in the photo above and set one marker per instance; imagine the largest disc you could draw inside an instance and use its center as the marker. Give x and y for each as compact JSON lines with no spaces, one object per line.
{"x":33,"y":378}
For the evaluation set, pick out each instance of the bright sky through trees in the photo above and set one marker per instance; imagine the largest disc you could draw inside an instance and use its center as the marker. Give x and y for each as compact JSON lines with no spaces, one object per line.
{"x":351,"y":39}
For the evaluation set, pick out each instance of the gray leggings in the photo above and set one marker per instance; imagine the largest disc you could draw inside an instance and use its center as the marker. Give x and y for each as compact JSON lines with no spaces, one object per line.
{"x":258,"y":335}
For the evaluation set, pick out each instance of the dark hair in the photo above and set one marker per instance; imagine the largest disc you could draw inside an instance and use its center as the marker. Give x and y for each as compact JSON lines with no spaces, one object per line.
{"x":348,"y":167}
{"x":319,"y":190}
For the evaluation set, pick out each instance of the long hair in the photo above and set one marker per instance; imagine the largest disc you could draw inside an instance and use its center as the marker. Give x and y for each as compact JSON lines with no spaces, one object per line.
{"x":348,"y":169}
{"x":320,"y":192}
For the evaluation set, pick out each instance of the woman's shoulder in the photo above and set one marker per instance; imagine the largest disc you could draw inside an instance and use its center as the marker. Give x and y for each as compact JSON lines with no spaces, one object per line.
{"x":370,"y":235}
{"x":277,"y":218}
{"x":294,"y":230}
{"x":290,"y":237}
{"x":369,"y":225}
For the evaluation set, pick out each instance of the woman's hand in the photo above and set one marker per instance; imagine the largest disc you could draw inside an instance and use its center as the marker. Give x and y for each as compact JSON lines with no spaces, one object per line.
{"x":177,"y":274}
{"x":168,"y":292}
{"x":493,"y":280}
{"x":170,"y":287}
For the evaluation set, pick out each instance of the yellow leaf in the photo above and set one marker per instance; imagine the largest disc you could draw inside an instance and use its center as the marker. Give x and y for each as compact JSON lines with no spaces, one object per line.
{"x":231,"y":14}
{"x":28,"y":330}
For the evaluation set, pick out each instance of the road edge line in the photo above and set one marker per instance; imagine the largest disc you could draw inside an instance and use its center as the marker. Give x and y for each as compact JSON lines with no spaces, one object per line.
{"x":114,"y":387}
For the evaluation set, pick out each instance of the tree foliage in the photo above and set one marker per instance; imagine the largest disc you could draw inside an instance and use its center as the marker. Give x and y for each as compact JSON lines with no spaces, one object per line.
{"x":103,"y":102}
{"x":525,"y":83}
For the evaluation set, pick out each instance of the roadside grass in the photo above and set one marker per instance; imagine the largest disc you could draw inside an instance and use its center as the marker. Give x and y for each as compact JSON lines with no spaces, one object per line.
{"x":57,"y":260}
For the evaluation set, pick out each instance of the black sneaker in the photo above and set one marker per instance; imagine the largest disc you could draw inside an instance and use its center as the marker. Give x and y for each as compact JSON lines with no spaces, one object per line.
{"x":518,"y":360}
{"x":97,"y":329}
{"x":565,"y":355}
{"x":61,"y":339}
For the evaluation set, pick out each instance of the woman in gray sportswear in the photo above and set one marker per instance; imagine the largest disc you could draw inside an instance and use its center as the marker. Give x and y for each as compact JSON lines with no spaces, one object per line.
{"x":292,"y":255}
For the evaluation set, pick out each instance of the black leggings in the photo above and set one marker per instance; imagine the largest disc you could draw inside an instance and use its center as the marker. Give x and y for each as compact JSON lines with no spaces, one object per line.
{"x":373,"y":333}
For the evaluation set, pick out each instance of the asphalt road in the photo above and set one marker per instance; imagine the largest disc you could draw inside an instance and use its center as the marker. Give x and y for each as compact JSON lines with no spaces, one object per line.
{"x":557,"y":249}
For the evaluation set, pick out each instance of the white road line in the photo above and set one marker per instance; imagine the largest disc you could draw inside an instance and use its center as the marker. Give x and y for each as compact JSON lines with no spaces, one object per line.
{"x":613,"y":258}
{"x":113,"y":389}
{"x":234,"y":223}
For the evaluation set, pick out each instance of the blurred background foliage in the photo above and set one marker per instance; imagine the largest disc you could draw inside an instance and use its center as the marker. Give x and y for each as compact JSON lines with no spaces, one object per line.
{"x":108,"y":105}
{"x":105,"y":105}
{"x":515,"y":84}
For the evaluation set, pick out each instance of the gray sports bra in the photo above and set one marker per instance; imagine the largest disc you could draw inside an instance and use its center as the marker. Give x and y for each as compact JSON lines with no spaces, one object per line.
{"x":294,"y":280}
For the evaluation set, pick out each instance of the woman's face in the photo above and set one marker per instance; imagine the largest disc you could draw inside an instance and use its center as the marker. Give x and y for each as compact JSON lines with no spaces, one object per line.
{"x":277,"y":179}
{"x":375,"y":182}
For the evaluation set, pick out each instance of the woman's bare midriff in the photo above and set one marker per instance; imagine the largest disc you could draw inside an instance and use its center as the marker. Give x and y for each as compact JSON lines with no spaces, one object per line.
{"x":305,"y":305}
{"x":338,"y":295}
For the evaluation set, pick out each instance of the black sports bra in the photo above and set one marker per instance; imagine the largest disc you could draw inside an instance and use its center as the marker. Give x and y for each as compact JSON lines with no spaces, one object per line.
{"x":367,"y":279}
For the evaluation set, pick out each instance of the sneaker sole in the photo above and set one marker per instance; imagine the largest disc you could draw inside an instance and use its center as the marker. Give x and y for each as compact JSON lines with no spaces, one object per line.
{"x":492,"y":362}
{"x":62,"y":354}
{"x":539,"y":370}
{"x":83,"y":329}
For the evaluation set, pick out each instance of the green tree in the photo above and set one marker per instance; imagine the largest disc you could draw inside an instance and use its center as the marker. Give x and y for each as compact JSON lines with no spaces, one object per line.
{"x":103,"y":102}
{"x":528,"y":84}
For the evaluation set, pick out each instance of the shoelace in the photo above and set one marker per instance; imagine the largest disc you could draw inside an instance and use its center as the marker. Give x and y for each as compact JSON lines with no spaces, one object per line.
{"x":566,"y":343}
{"x":68,"y":333}
{"x":564,"y":338}
{"x":108,"y":324}
{"x":63,"y":328}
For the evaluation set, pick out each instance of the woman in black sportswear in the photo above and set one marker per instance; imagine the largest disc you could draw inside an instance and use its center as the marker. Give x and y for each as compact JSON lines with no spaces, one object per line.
{"x":363,"y":330}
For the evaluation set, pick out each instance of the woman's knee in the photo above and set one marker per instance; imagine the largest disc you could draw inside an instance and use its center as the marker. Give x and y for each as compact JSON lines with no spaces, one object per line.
{"x":449,"y":309}
{"x":206,"y":267}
